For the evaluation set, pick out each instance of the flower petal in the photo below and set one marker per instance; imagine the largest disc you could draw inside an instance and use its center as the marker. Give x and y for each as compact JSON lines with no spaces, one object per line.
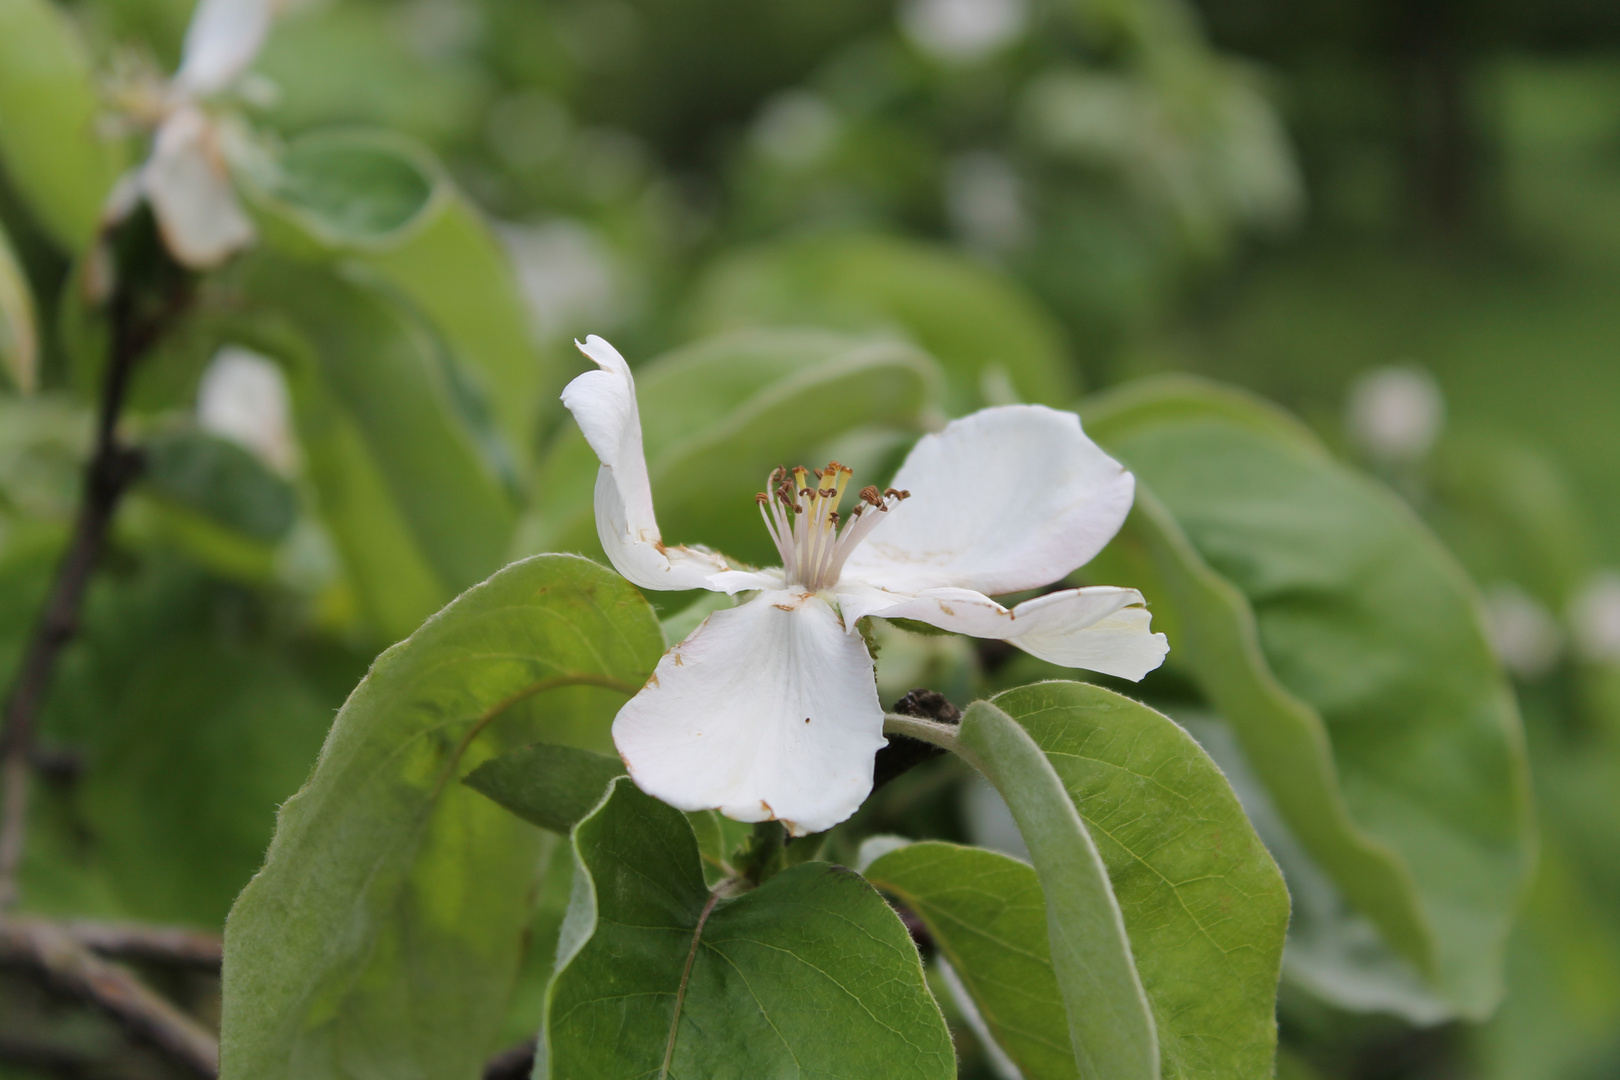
{"x":222,"y":40}
{"x":189,"y":186}
{"x":765,"y":711}
{"x":1006,"y":499}
{"x":604,"y":405}
{"x":1100,"y":628}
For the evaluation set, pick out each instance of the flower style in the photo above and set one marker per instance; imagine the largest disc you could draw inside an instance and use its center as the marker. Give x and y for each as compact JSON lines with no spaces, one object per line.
{"x":769,"y":710}
{"x":186,"y":178}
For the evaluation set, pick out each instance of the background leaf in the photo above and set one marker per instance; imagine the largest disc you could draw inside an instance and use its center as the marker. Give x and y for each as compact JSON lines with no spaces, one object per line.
{"x":384,"y":934}
{"x":985,"y":331}
{"x":1370,"y":626}
{"x":810,"y":974}
{"x":416,"y":508}
{"x":383,"y":201}
{"x":53,"y":152}
{"x":19,"y":331}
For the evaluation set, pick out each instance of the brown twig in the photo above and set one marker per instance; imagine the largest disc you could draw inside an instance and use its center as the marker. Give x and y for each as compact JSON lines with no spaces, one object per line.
{"x":134,"y":324}
{"x":70,"y":967}
{"x":173,"y":946}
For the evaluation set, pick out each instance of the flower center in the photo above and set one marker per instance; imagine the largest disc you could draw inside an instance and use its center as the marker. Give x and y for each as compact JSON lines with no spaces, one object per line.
{"x":801,"y":514}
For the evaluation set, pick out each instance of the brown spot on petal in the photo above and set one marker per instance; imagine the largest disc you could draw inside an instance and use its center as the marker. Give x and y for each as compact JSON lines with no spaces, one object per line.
{"x":676,"y":657}
{"x":807,"y":719}
{"x":652,"y":680}
{"x":947,"y":609}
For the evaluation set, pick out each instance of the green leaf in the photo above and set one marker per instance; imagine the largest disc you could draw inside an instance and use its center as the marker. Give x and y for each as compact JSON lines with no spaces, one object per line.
{"x":19,"y":331}
{"x":980,"y":325}
{"x":811,"y":974}
{"x":384,"y":934}
{"x":1203,"y":902}
{"x":383,"y":200}
{"x":1347,"y":650}
{"x":1111,"y":1026}
{"x":60,"y":163}
{"x":220,"y":480}
{"x":987,"y":915}
{"x":717,"y":416}
{"x":347,"y":189}
{"x":551,"y":786}
{"x":417,"y":510}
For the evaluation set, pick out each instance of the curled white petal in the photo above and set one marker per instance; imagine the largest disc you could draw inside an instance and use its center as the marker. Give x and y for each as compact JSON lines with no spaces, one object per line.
{"x":189,"y":186}
{"x":733,"y":582}
{"x":1006,"y":499}
{"x":604,"y":405}
{"x":1100,"y":628}
{"x":222,"y":40}
{"x":765,"y":711}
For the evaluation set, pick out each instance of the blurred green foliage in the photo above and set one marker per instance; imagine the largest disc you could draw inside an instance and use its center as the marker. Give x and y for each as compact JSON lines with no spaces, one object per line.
{"x":888,"y":219}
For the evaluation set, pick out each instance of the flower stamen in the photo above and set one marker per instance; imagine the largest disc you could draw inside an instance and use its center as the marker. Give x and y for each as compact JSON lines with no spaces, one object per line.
{"x":804,"y":522}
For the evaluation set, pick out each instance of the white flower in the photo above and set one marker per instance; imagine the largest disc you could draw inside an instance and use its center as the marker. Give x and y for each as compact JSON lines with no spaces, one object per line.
{"x":186,"y":178}
{"x":1523,"y":632}
{"x":243,"y":397}
{"x":770,"y":710}
{"x":1396,"y":413}
{"x":1595,"y":615}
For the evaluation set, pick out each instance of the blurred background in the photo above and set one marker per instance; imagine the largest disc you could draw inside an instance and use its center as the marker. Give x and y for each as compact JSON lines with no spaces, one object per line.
{"x":1398,"y":218}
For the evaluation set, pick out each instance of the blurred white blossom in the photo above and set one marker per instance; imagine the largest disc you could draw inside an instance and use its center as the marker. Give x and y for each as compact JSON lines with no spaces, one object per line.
{"x":567,"y":275}
{"x":1595,"y":618}
{"x":1395,"y":413}
{"x":984,"y":200}
{"x":796,"y":129}
{"x":186,"y":178}
{"x":1523,"y":632}
{"x":243,"y":397}
{"x":963,"y":30}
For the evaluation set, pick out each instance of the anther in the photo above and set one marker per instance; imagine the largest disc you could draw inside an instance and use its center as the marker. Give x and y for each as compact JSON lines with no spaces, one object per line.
{"x":761,"y":498}
{"x":896,"y":494}
{"x":870,"y":494}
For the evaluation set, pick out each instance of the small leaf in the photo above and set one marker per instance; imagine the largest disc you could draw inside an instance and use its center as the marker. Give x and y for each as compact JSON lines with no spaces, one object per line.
{"x":350,"y":189}
{"x":60,"y":163}
{"x":19,"y":331}
{"x":550,"y":786}
{"x":986,"y":913}
{"x":1347,"y":650}
{"x":385,"y":932}
{"x":1111,"y":1025}
{"x":811,"y":974}
{"x":220,"y":480}
{"x":980,"y":325}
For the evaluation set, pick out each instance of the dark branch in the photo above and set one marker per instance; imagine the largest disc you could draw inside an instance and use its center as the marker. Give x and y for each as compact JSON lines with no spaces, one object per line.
{"x":513,"y":1064}
{"x":149,"y":292}
{"x":171,"y":946}
{"x":903,"y":752}
{"x":73,"y":969}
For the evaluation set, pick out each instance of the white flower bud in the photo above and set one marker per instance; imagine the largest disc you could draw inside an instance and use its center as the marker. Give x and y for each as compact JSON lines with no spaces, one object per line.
{"x":1523,"y":632}
{"x":963,"y":30}
{"x":1395,"y":413}
{"x":1595,"y":618}
{"x":243,"y":397}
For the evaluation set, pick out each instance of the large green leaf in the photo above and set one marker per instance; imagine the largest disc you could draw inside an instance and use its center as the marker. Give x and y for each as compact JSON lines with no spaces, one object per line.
{"x":52,"y":151}
{"x":809,"y":975}
{"x":1347,"y":650}
{"x":19,"y":330}
{"x":385,"y":932}
{"x":417,"y":509}
{"x":1110,"y":1021}
{"x":1203,"y":902}
{"x":990,"y":337}
{"x":382,"y":200}
{"x":717,"y":416}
